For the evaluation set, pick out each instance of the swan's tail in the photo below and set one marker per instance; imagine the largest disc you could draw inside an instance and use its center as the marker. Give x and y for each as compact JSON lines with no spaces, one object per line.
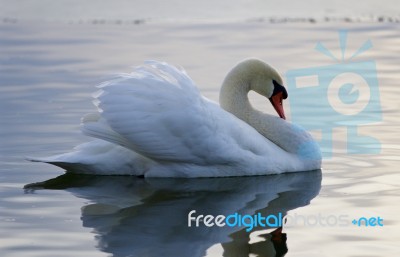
{"x":108,"y":155}
{"x":63,"y":162}
{"x":99,"y":157}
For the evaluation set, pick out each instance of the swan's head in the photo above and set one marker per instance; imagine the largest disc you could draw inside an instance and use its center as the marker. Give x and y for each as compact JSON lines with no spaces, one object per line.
{"x":266,"y":81}
{"x":256,"y":75}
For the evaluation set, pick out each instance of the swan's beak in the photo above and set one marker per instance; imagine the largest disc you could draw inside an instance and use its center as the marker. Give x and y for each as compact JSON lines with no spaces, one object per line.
{"x":276,"y":101}
{"x":278,"y":95}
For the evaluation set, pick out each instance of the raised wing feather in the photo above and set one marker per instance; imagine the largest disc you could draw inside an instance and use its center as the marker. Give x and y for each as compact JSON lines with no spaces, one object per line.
{"x":157,"y":111}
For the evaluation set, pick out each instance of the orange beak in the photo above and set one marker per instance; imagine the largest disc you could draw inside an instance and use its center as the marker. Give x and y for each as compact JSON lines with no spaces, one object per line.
{"x":276,"y":101}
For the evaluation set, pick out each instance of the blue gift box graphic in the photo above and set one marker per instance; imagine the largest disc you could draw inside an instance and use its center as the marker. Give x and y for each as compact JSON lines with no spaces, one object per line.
{"x":345,"y":94}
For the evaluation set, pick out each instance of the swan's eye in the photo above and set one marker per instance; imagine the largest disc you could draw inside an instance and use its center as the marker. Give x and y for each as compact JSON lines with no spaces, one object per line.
{"x":278,"y":88}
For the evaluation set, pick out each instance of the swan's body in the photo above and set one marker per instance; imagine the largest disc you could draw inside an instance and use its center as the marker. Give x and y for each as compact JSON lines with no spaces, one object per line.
{"x":154,"y":122}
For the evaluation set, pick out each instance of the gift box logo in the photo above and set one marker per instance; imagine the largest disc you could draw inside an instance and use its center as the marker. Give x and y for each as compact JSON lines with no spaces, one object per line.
{"x":344,"y":94}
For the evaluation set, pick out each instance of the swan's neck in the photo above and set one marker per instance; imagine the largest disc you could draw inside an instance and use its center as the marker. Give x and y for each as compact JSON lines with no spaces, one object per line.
{"x":247,"y":75}
{"x":234,"y":99}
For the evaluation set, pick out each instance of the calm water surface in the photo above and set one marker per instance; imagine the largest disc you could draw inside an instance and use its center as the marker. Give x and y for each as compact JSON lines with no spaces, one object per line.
{"x":47,"y":75}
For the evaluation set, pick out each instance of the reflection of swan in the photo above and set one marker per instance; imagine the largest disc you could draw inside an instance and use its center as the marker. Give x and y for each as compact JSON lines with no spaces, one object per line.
{"x":155,"y":123}
{"x":149,"y":217}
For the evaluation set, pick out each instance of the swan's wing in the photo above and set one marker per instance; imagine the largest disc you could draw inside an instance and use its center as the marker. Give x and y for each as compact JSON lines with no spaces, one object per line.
{"x":158,"y":112}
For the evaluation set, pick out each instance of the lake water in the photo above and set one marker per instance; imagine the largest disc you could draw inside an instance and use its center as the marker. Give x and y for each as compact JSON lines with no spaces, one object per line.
{"x":48,"y":71}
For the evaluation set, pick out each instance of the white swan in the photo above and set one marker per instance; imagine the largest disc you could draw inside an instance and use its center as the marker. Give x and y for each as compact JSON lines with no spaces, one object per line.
{"x":154,"y":122}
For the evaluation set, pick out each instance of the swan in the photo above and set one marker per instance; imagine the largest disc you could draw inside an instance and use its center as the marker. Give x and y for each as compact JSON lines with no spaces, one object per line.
{"x":154,"y":122}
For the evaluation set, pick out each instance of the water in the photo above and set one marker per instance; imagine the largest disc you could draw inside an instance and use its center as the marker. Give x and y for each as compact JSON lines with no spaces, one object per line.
{"x":125,"y":11}
{"x":48,"y":71}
